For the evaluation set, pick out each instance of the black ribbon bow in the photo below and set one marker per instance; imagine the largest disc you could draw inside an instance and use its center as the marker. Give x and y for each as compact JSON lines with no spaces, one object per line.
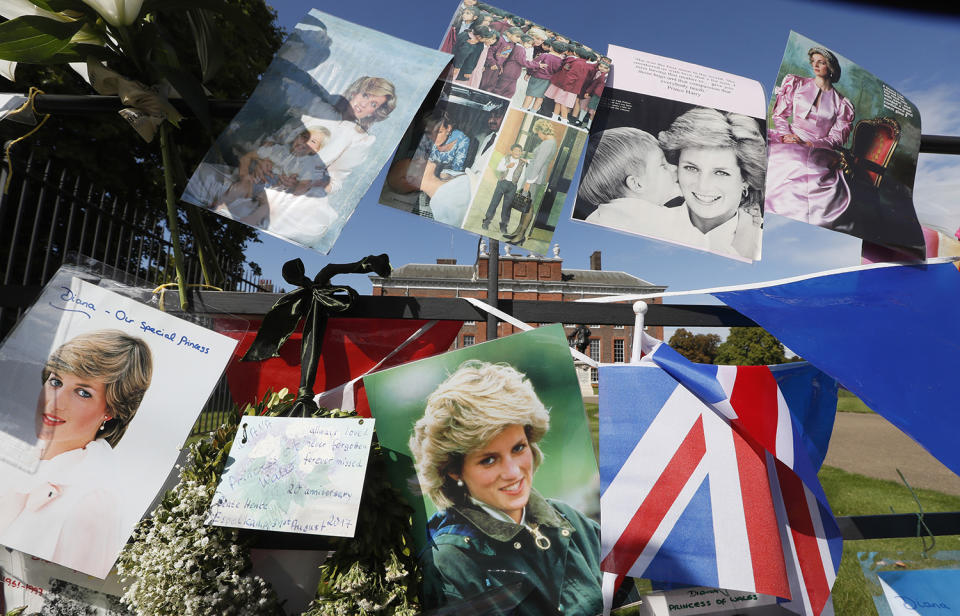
{"x":313,"y":302}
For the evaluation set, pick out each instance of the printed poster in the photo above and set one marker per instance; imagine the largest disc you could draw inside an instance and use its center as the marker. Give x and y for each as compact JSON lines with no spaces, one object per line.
{"x":327,"y":114}
{"x":294,"y":474}
{"x":101,"y":391}
{"x":495,"y":148}
{"x":491,"y":447}
{"x":45,"y":588}
{"x":677,"y":153}
{"x":843,"y":148}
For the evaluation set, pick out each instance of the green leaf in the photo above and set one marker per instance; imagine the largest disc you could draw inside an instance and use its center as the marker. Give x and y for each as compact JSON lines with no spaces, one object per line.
{"x":35,"y":40}
{"x":209,"y":47}
{"x":56,"y":6}
{"x":80,"y":53}
{"x":190,"y":89}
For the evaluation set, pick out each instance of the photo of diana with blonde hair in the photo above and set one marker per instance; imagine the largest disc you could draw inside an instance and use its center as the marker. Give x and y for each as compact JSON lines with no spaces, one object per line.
{"x":476,"y":451}
{"x":492,"y":449}
{"x":92,"y":387}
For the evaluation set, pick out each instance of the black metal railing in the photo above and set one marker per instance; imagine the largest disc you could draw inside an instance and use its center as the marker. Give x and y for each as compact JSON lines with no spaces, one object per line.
{"x":48,"y":214}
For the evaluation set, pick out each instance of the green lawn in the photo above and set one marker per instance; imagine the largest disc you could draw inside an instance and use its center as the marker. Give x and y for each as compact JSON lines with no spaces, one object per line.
{"x":851,"y":494}
{"x":848,"y":403}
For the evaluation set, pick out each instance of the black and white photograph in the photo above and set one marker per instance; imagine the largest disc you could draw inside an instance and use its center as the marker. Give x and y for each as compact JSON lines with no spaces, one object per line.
{"x":677,"y":153}
{"x":676,"y":172}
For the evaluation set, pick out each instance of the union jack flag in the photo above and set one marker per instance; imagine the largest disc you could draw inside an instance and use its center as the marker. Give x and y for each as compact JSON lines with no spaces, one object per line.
{"x":708,"y":476}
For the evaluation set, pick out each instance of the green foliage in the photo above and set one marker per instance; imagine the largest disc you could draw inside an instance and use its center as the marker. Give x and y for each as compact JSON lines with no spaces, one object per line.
{"x":700,"y":348}
{"x":176,"y":564}
{"x":33,"y":38}
{"x":849,"y":403}
{"x":750,"y":346}
{"x":375,"y":571}
{"x":106,"y":152}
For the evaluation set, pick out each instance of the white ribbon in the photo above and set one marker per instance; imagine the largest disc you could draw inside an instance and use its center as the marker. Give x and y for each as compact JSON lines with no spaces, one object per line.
{"x":146,"y":109}
{"x":503,"y":316}
{"x":342,"y":397}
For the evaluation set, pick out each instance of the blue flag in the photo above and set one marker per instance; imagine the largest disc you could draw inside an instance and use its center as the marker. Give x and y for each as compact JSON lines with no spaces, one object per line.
{"x":890,"y":334}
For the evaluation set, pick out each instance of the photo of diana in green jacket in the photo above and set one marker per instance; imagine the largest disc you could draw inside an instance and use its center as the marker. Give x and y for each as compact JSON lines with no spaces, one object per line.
{"x":476,"y":451}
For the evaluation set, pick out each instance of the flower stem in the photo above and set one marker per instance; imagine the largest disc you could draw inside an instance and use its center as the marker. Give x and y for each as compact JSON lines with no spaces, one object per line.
{"x":172,"y":221}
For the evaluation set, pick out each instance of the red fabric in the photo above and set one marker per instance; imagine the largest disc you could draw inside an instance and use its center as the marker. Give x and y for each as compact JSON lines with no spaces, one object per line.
{"x":350,"y":348}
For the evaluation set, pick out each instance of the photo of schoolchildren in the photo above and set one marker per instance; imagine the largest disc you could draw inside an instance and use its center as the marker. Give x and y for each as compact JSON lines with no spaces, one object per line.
{"x":509,"y":56}
{"x":441,"y":158}
{"x":328,"y":112}
{"x":526,"y":181}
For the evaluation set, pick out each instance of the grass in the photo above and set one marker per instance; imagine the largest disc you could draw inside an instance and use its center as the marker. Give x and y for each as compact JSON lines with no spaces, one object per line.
{"x":852,"y":494}
{"x":849,"y":403}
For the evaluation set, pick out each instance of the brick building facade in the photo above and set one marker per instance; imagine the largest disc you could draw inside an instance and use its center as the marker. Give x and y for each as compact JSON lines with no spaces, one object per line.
{"x":524,"y":278}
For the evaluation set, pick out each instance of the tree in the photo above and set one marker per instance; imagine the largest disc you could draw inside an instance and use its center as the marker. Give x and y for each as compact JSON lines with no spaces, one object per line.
{"x":750,"y":346}
{"x":108,"y":154}
{"x":700,"y":348}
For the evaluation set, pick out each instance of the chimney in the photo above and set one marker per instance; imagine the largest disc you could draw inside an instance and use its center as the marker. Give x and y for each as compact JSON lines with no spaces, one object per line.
{"x":446,"y":261}
{"x":595,"y":261}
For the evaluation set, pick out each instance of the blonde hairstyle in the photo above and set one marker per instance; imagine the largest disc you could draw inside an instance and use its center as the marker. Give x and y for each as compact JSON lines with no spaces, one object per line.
{"x":374,"y":86}
{"x":543,"y":127}
{"x":122,"y":362}
{"x":319,"y":130}
{"x":464,"y":413}
{"x":614,"y":154}
{"x":702,"y":127}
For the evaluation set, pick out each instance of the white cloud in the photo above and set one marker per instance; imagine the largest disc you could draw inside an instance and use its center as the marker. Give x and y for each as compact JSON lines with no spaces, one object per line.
{"x":936,"y":192}
{"x":938,"y":107}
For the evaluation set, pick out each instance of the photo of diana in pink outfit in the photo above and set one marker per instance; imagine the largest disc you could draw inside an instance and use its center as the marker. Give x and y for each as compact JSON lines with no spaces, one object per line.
{"x":811,"y":121}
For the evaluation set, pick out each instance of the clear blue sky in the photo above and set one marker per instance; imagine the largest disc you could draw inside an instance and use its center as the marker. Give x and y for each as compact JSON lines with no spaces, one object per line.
{"x":916,"y":53}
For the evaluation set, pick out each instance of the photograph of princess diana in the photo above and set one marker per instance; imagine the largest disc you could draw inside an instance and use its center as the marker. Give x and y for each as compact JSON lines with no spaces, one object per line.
{"x":676,"y":172}
{"x":492,"y":449}
{"x":330,"y":109}
{"x":100,"y":392}
{"x":843,"y":148}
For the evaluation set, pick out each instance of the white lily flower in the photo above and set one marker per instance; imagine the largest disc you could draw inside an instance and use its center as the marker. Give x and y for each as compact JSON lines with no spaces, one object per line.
{"x":7,"y":68}
{"x":116,"y":12}
{"x":11,"y":9}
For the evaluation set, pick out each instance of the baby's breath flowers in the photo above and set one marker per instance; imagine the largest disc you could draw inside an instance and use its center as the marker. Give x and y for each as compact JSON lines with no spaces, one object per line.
{"x":176,"y":564}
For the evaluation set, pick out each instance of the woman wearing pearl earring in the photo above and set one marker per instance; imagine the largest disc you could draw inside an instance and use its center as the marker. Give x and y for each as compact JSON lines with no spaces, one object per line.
{"x":66,"y":512}
{"x":476,"y":451}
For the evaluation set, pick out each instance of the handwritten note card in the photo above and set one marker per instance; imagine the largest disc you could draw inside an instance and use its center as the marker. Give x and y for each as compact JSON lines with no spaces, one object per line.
{"x":925,"y":591}
{"x":296,"y":475}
